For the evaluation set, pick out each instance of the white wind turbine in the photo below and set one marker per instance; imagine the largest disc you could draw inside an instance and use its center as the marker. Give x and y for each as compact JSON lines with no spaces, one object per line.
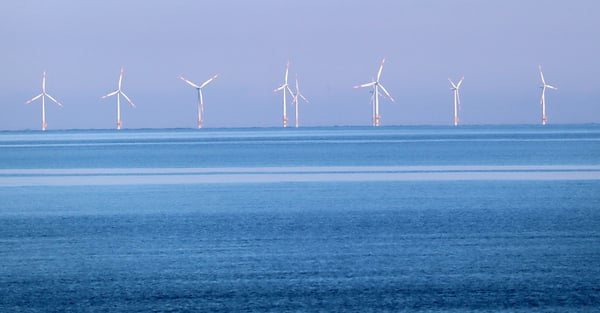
{"x":119,"y":92}
{"x":455,"y":88}
{"x":376,"y":86}
{"x":43,"y":95}
{"x":543,"y":101}
{"x":286,"y":88}
{"x":295,"y":100}
{"x":200,"y":96}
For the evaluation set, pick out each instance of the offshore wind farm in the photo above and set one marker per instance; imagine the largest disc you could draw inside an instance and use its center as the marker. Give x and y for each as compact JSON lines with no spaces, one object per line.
{"x":377,"y":89}
{"x":330,"y":57}
{"x":312,"y":156}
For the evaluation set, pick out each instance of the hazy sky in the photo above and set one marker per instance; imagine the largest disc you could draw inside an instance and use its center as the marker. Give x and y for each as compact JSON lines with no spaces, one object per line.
{"x":332,"y":45}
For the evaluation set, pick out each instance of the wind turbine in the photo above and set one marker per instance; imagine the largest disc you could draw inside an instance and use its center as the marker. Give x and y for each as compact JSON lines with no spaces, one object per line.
{"x":44,"y":94}
{"x":295,"y":100}
{"x":543,"y":101}
{"x":455,"y":88}
{"x":200,"y":97}
{"x":119,"y":92}
{"x":286,"y":88}
{"x":376,"y":86}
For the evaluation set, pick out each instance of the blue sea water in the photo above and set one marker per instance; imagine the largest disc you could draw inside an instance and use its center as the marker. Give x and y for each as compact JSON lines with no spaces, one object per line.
{"x":347,"y":219}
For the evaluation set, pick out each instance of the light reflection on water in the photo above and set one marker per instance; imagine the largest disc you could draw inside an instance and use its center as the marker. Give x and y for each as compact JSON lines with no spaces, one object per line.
{"x":432,"y":219}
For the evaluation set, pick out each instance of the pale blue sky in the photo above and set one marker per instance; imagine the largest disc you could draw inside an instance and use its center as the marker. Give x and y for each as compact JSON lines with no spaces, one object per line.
{"x":332,"y":45}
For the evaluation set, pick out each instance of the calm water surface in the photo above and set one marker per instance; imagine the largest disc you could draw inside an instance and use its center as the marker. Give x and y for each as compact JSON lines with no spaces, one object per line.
{"x":425,"y":219}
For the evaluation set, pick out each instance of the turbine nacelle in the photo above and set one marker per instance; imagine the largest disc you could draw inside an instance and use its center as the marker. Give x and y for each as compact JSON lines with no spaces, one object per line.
{"x":456,"y":86}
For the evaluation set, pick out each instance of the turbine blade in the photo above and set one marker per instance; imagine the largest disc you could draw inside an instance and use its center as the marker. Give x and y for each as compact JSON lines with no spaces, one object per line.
{"x":543,"y":93}
{"x":127,"y":98}
{"x":287,"y":69}
{"x":189,"y":82}
{"x":452,"y":83}
{"x":458,"y":99}
{"x":542,"y":75}
{"x":280,"y":88}
{"x":387,"y":93}
{"x":44,"y":82}
{"x":365,"y":85}
{"x":121,"y":78}
{"x":209,"y":80}
{"x":290,"y":90}
{"x":49,"y":96}
{"x":460,"y":82}
{"x":34,"y":98}
{"x":110,"y":94}
{"x":302,"y":96}
{"x":298,"y":91}
{"x":201,"y":96}
{"x":551,"y":87}
{"x":380,"y":69}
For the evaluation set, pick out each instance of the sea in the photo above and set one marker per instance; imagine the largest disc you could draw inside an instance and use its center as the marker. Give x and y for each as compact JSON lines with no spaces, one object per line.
{"x":319,"y":219}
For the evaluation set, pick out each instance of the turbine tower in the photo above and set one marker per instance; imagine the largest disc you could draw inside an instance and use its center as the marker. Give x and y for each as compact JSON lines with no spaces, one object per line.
{"x":455,"y":88}
{"x":286,"y":88}
{"x":119,"y":92}
{"x":543,"y":101}
{"x":200,"y":96}
{"x":295,"y":100}
{"x":376,"y":86}
{"x":43,"y":95}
